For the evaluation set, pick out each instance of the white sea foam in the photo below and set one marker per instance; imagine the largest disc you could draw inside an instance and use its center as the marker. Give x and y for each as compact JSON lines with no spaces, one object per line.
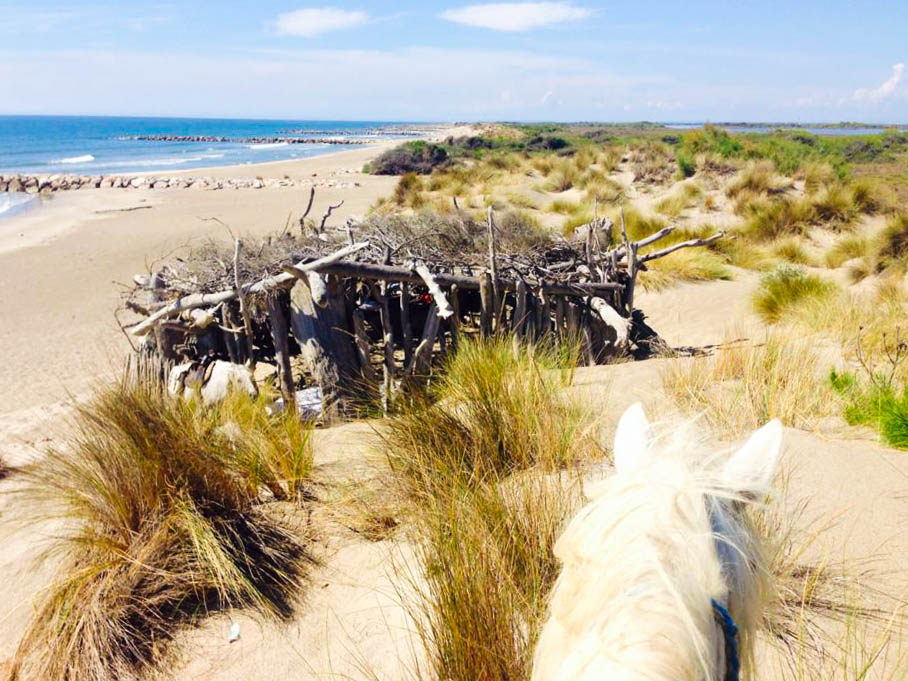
{"x":13,"y":200}
{"x":87,"y":158}
{"x":270,"y":145}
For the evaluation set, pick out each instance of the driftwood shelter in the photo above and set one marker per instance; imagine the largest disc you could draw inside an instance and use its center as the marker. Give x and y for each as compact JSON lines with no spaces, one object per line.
{"x":367,"y":309}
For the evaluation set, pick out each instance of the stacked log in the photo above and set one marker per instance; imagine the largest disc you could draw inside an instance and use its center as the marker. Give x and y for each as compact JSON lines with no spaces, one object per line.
{"x":348,"y":323}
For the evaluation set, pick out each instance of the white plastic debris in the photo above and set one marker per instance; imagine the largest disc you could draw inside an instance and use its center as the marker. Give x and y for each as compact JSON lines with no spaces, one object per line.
{"x":308,"y":404}
{"x":234,"y":633}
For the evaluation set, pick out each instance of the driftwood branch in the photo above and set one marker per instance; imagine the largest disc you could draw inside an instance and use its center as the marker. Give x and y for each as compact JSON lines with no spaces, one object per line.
{"x":308,"y":209}
{"x":444,"y":307}
{"x":677,"y":247}
{"x":331,"y":209}
{"x":205,"y":299}
{"x":244,"y":308}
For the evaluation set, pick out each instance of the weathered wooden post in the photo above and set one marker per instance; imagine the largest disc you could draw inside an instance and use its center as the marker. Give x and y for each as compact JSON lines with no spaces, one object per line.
{"x":325,"y":340}
{"x":281,"y":335}
{"x":406,"y":328}
{"x":487,"y":305}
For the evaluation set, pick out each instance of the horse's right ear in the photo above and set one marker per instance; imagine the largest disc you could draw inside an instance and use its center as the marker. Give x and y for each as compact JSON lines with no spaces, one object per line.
{"x":751,"y":469}
{"x":632,"y":440}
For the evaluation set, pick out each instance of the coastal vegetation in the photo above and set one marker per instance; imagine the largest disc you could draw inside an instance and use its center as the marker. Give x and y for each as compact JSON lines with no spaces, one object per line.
{"x":164,"y":514}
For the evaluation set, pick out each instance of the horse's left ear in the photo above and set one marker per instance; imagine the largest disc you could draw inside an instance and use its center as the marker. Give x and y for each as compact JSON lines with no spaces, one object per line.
{"x":751,"y":469}
{"x":632,"y":438}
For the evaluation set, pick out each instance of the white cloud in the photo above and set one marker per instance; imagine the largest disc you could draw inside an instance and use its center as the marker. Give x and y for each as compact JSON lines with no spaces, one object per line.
{"x":310,"y":22}
{"x":882,"y":92}
{"x":516,"y":16}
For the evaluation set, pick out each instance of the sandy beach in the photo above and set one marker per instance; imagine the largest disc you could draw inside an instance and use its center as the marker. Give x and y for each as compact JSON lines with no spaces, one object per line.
{"x":62,"y":263}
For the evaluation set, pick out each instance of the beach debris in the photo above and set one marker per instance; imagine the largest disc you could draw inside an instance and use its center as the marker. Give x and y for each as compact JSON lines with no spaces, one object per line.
{"x":234,"y":633}
{"x":35,"y":184}
{"x":359,"y":321}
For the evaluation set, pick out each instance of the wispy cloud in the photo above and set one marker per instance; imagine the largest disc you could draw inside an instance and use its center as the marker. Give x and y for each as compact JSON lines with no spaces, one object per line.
{"x":516,"y":16}
{"x":884,"y":91}
{"x":311,"y":22}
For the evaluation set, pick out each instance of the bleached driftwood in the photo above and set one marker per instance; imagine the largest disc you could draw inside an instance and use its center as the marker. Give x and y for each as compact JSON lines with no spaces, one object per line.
{"x":444,"y":307}
{"x":211,"y":299}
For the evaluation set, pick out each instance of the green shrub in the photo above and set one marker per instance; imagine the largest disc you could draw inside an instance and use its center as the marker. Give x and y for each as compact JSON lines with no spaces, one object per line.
{"x":686,"y":165}
{"x":785,"y":287}
{"x":876,"y":403}
{"x":412,"y":157}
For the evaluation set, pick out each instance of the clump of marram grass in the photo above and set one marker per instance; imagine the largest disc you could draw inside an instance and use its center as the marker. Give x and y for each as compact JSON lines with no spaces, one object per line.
{"x":755,"y":179}
{"x":817,"y":174}
{"x":847,"y":247}
{"x":870,"y":198}
{"x":481,"y":463}
{"x":408,"y":191}
{"x":745,"y":386}
{"x":683,"y":198}
{"x":891,"y":245}
{"x":163,"y":521}
{"x":652,"y":162}
{"x":786,"y":287}
{"x":495,"y":409}
{"x":770,"y":220}
{"x":791,"y":249}
{"x":486,"y":553}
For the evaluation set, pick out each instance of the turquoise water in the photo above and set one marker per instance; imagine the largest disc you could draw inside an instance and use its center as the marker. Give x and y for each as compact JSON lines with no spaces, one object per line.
{"x":94,"y":145}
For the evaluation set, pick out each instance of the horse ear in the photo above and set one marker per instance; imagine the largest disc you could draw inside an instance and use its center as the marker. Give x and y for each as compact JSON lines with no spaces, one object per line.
{"x":632,"y":439}
{"x":751,"y":469}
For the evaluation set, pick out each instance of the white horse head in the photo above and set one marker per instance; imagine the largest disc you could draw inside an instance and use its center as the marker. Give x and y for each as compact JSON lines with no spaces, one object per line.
{"x":662,"y":565}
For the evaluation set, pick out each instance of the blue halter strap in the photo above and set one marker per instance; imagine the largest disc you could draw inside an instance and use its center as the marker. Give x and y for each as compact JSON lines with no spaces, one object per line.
{"x":730,"y":632}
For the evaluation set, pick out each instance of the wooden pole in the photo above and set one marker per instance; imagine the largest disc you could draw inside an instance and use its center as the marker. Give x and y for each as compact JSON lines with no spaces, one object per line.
{"x":363,"y":346}
{"x":487,"y":306}
{"x":244,"y":308}
{"x":454,"y":320}
{"x":423,"y":355}
{"x":280,"y":334}
{"x":493,"y":267}
{"x":406,"y":328}
{"x":381,"y":295}
{"x":559,"y":315}
{"x":544,"y":315}
{"x":519,"y":315}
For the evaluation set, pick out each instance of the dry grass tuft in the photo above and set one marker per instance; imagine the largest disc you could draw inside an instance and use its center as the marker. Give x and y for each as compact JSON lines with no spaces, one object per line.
{"x":744,"y":386}
{"x":787,"y":287}
{"x":479,"y":466}
{"x":756,"y":179}
{"x":164,"y":522}
{"x":847,"y":247}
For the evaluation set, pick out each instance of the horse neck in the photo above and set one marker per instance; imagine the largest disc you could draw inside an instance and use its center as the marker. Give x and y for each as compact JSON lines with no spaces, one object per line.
{"x":633,"y":600}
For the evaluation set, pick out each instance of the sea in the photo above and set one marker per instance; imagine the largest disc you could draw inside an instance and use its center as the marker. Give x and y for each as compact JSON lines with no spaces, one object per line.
{"x":96,"y":145}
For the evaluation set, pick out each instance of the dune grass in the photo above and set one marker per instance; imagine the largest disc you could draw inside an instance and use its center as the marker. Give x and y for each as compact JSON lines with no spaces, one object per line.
{"x":768,"y":220}
{"x":164,"y":521}
{"x":847,"y":247}
{"x":891,"y":245}
{"x":791,"y":249}
{"x":755,"y":179}
{"x":478,"y":462}
{"x":684,"y":197}
{"x":786,"y":287}
{"x":744,"y":386}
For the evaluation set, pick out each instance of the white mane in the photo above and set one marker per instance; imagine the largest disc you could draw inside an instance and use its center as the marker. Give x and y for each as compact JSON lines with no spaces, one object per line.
{"x":642,"y":562}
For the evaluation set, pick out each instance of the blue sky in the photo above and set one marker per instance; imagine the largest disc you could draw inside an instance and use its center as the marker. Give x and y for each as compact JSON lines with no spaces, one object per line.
{"x":576,"y":60}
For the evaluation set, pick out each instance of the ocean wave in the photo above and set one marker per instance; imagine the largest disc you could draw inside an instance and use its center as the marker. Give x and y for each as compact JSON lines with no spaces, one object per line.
{"x":86,"y":158}
{"x":13,"y":200}
{"x":270,"y":145}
